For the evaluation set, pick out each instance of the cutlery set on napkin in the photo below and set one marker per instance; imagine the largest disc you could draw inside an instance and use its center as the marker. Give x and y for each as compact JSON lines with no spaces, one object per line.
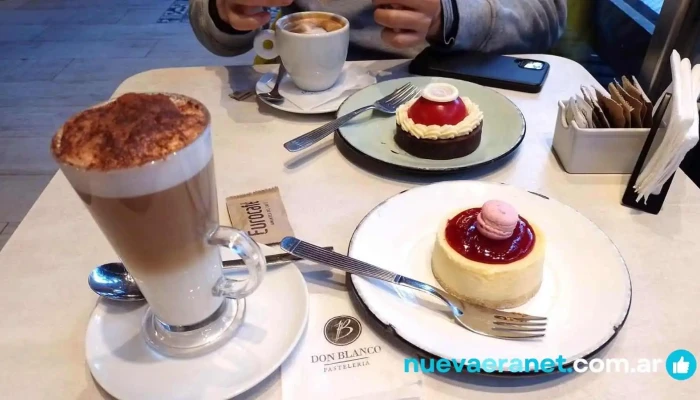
{"x":352,"y":79}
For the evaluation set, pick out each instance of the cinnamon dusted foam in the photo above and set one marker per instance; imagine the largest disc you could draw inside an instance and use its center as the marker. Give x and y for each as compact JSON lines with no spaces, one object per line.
{"x":130,"y":131}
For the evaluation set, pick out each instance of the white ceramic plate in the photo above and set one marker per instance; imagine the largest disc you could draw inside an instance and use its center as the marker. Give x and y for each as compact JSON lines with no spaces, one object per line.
{"x":261,"y":87}
{"x":127,"y":368}
{"x":586,"y":291}
{"x":372,"y":134}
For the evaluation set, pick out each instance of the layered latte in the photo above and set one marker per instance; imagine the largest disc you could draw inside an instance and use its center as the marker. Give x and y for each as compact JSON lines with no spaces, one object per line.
{"x":143,"y":166}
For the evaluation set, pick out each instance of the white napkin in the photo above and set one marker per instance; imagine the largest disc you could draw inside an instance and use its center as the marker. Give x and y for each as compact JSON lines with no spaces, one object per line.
{"x":364,"y":368}
{"x":679,"y":129}
{"x":587,"y":111}
{"x":573,"y":113}
{"x":352,"y":79}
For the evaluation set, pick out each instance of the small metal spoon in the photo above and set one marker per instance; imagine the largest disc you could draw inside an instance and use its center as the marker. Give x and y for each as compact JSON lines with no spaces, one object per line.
{"x":112,"y":280}
{"x":274,"y":96}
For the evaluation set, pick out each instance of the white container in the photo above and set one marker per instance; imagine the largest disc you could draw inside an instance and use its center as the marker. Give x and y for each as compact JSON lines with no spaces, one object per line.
{"x":596,"y":151}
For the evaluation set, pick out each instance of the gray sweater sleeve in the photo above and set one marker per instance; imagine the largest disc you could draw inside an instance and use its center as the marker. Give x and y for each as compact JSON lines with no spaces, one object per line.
{"x":503,"y":26}
{"x":218,"y":42}
{"x":509,"y":26}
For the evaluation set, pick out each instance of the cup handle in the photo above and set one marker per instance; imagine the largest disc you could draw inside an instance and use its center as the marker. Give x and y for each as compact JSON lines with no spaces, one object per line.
{"x":249,"y":251}
{"x":265,"y":45}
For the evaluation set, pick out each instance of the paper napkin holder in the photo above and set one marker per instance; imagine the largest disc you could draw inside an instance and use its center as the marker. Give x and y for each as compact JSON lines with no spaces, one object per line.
{"x":653,"y":204}
{"x":596,"y":151}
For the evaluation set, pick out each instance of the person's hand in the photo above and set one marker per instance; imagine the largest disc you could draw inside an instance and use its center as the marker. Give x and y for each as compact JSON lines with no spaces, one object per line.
{"x":247,"y":15}
{"x":408,"y":22}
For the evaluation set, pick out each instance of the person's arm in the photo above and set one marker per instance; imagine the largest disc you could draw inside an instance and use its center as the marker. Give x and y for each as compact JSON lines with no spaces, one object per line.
{"x":508,"y":26}
{"x":446,"y":35}
{"x":215,"y":34}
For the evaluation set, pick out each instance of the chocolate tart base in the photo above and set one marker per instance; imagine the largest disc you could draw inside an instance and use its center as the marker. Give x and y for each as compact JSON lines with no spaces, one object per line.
{"x":439,"y":149}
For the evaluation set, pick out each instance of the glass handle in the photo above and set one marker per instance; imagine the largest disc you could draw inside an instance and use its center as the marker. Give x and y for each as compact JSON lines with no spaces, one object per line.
{"x":249,"y":251}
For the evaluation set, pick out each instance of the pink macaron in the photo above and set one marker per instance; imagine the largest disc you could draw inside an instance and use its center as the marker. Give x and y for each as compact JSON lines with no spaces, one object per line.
{"x":497,"y":220}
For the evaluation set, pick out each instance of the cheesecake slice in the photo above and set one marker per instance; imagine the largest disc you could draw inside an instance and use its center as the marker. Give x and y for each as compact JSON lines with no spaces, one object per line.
{"x":489,"y":256}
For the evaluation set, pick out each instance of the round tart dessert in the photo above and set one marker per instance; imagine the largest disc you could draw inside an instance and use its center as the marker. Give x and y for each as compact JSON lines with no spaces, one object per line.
{"x":439,"y":125}
{"x":489,"y":256}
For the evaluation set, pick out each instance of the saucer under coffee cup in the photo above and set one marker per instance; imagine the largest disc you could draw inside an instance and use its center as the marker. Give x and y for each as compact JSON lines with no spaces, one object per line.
{"x":313,"y":47}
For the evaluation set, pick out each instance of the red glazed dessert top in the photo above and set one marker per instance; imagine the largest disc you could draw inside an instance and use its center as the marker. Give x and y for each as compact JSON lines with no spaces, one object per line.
{"x":440,"y":105}
{"x":465,"y":236}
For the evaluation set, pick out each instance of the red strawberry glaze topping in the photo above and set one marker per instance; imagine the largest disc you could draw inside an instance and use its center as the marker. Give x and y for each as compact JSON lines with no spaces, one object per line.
{"x":440,"y":105}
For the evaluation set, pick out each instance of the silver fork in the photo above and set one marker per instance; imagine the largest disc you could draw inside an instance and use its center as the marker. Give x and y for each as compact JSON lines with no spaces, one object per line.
{"x":494,"y":323}
{"x":388,"y":105}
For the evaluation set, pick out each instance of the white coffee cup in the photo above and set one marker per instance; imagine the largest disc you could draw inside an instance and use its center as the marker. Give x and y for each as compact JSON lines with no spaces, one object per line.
{"x":314,"y":60}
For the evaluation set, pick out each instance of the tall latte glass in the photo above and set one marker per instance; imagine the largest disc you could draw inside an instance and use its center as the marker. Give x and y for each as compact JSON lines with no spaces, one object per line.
{"x":143,"y":166}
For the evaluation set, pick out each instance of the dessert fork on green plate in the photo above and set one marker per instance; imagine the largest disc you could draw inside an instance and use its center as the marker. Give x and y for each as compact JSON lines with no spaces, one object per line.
{"x":388,"y":105}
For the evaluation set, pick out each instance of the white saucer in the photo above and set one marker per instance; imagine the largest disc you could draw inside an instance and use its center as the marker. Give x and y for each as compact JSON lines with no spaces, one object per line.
{"x":586,"y":291}
{"x":123,"y":364}
{"x":330,"y":107}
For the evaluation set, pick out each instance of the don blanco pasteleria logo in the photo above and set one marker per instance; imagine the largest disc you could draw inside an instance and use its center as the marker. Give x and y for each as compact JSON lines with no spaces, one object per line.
{"x":342,"y":330}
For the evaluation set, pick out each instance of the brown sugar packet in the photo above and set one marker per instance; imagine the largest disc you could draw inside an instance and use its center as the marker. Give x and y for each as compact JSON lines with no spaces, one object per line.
{"x":626,"y":108}
{"x":641,"y":91}
{"x":613,"y":110}
{"x":261,"y":215}
{"x":646,"y":120}
{"x":597,"y":109}
{"x":634,"y":103}
{"x":632,"y":91}
{"x":596,"y":120}
{"x":598,"y":114}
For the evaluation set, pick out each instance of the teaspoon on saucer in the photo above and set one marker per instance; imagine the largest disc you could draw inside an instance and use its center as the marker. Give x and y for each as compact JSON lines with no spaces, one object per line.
{"x":274,"y":96}
{"x":114,"y":282}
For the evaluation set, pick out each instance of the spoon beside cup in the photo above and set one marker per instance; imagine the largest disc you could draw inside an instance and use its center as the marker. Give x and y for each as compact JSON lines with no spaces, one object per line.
{"x":114,"y":282}
{"x":274,"y":96}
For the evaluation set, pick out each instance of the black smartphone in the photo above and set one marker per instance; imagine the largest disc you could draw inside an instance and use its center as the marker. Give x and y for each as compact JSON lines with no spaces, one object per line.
{"x":504,"y":72}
